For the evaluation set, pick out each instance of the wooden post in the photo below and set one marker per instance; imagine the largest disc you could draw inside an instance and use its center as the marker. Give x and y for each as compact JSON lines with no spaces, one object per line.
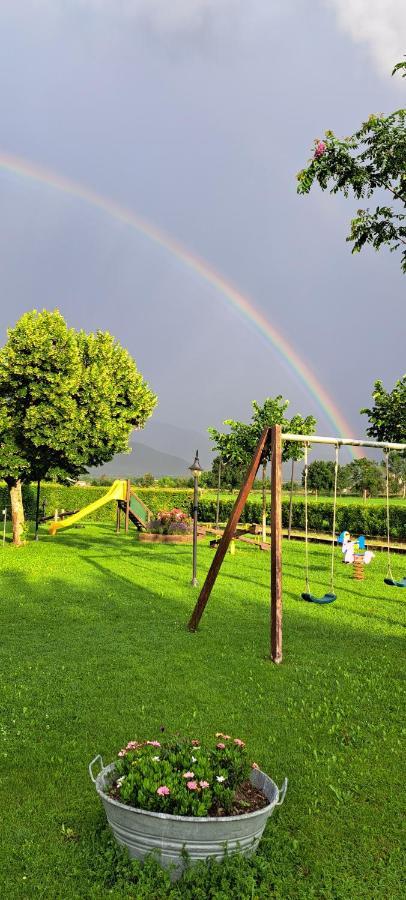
{"x":127,"y":505}
{"x":228,"y":533}
{"x":118,"y":518}
{"x":276,"y":546}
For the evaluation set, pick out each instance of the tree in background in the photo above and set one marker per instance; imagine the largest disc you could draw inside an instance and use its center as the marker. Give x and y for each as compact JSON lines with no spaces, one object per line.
{"x":373,"y":159}
{"x":387,"y":417}
{"x":68,"y":400}
{"x":320,"y":476}
{"x":366,"y":477}
{"x":397,"y":472}
{"x":237,"y":446}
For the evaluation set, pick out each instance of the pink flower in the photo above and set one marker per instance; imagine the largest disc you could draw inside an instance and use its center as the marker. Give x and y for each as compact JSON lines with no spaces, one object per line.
{"x":122,"y":752}
{"x":254,"y":766}
{"x":204,"y":784}
{"x":225,"y":736}
{"x":320,"y":148}
{"x":132,"y":745}
{"x":163,"y":791}
{"x":192,"y":785}
{"x":153,"y":743}
{"x":239,"y":743}
{"x":195,"y":743}
{"x":221,"y":746}
{"x":188,"y":775}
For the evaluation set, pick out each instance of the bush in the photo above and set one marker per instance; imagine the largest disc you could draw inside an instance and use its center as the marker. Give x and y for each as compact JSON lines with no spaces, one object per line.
{"x":353,"y":517}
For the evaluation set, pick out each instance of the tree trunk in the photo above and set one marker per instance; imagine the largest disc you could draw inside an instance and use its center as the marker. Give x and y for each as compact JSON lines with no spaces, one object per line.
{"x":291,"y":499}
{"x":263,"y":503}
{"x":17,"y":512}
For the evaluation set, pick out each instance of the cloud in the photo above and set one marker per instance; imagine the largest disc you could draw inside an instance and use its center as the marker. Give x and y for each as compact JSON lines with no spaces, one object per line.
{"x":379,"y":24}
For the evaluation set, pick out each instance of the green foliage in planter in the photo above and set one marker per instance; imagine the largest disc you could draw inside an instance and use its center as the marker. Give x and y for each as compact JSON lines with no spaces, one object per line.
{"x":181,"y":777}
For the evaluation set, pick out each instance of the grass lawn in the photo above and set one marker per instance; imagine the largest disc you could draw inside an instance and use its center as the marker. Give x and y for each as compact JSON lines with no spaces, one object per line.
{"x":94,"y":652}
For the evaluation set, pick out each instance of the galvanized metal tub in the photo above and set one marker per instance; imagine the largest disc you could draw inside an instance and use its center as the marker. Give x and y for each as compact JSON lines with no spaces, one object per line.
{"x":170,"y":836}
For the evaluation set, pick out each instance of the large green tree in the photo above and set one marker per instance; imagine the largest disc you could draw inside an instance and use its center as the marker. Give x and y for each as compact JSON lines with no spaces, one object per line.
{"x":387,"y":416}
{"x":238,"y":444}
{"x":68,"y":400}
{"x":370,"y":161}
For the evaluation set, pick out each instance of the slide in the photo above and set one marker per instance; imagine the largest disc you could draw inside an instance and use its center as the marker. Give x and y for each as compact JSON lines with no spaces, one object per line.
{"x":117,"y":491}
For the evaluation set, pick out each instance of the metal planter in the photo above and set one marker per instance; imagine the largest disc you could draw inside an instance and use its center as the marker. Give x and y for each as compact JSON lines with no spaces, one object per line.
{"x":170,"y":836}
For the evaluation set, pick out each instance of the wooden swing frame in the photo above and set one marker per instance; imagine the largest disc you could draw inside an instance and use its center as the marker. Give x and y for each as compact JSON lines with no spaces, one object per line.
{"x":270,"y":438}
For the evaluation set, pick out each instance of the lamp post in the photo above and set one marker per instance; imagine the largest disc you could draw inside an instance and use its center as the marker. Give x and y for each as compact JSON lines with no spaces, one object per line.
{"x":196,"y":471}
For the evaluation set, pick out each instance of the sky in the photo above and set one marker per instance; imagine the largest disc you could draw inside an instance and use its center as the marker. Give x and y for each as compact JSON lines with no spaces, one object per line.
{"x":148,"y":155}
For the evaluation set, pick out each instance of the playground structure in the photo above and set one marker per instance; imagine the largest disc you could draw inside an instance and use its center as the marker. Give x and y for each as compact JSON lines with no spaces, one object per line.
{"x":127,"y":501}
{"x":273,"y":438}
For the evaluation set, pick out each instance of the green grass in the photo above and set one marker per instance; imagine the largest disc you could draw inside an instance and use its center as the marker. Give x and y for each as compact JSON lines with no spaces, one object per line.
{"x":94,"y":652}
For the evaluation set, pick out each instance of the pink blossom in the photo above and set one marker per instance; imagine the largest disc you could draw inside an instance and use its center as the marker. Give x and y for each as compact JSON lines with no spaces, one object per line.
{"x":122,"y":752}
{"x":320,"y":148}
{"x":239,"y":743}
{"x":204,"y":784}
{"x":192,"y":785}
{"x":188,"y":775}
{"x":153,"y":743}
{"x":221,"y":746}
{"x":132,"y":745}
{"x":163,"y":791}
{"x":195,"y":743}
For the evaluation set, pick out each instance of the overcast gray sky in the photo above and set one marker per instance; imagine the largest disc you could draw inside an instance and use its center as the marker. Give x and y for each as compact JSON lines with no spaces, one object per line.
{"x":197,"y":114}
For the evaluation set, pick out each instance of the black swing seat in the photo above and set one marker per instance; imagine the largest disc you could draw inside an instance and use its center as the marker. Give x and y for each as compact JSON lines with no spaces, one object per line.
{"x":393,"y":583}
{"x":328,"y":598}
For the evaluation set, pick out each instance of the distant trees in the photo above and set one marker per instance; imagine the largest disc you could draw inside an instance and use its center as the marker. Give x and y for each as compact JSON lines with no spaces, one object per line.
{"x":357,"y":477}
{"x":68,"y":400}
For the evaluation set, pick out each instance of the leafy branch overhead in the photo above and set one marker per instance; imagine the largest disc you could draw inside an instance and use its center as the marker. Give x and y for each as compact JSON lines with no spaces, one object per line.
{"x":371,"y":161}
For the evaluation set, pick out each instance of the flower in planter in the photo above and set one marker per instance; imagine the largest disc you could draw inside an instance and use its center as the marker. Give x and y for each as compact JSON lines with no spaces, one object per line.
{"x":167,"y":783}
{"x":163,"y":791}
{"x":173,"y":521}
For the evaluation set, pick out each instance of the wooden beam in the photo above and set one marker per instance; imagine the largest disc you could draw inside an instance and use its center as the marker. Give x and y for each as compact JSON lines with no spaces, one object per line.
{"x":276,"y":546}
{"x":229,"y":532}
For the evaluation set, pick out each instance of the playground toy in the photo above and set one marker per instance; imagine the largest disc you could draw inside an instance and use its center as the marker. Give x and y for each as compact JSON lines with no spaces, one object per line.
{"x":354,"y":550}
{"x":390,"y":580}
{"x":270,"y":437}
{"x":330,"y":596}
{"x":127,"y":501}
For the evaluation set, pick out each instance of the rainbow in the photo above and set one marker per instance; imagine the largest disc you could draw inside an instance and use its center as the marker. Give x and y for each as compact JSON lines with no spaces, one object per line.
{"x":26,"y":169}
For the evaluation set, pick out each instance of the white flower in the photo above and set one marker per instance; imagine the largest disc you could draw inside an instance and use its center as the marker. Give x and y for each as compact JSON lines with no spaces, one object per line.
{"x":220,"y":778}
{"x":193,"y":758}
{"x":156,"y":758}
{"x":120,"y":781}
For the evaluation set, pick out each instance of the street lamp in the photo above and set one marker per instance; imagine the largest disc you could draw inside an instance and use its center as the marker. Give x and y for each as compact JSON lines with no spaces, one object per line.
{"x":196,"y":471}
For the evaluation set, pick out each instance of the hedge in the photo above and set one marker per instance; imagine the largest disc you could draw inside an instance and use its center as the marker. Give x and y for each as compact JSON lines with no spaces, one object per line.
{"x":355,"y":518}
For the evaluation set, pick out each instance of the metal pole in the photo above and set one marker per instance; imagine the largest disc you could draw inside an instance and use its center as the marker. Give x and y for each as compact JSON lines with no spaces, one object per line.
{"x":4,"y":524}
{"x":341,"y":442}
{"x":195,"y":505}
{"x":37,"y":509}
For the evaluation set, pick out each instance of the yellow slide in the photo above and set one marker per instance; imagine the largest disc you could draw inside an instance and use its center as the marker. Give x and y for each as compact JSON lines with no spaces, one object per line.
{"x":117,"y":491}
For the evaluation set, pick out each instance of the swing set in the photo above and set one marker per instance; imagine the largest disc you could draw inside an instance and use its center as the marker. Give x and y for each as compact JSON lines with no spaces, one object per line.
{"x":272,"y":438}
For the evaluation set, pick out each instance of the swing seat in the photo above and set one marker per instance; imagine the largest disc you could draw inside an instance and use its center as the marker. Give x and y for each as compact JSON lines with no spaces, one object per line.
{"x":328,"y":598}
{"x":393,"y":583}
